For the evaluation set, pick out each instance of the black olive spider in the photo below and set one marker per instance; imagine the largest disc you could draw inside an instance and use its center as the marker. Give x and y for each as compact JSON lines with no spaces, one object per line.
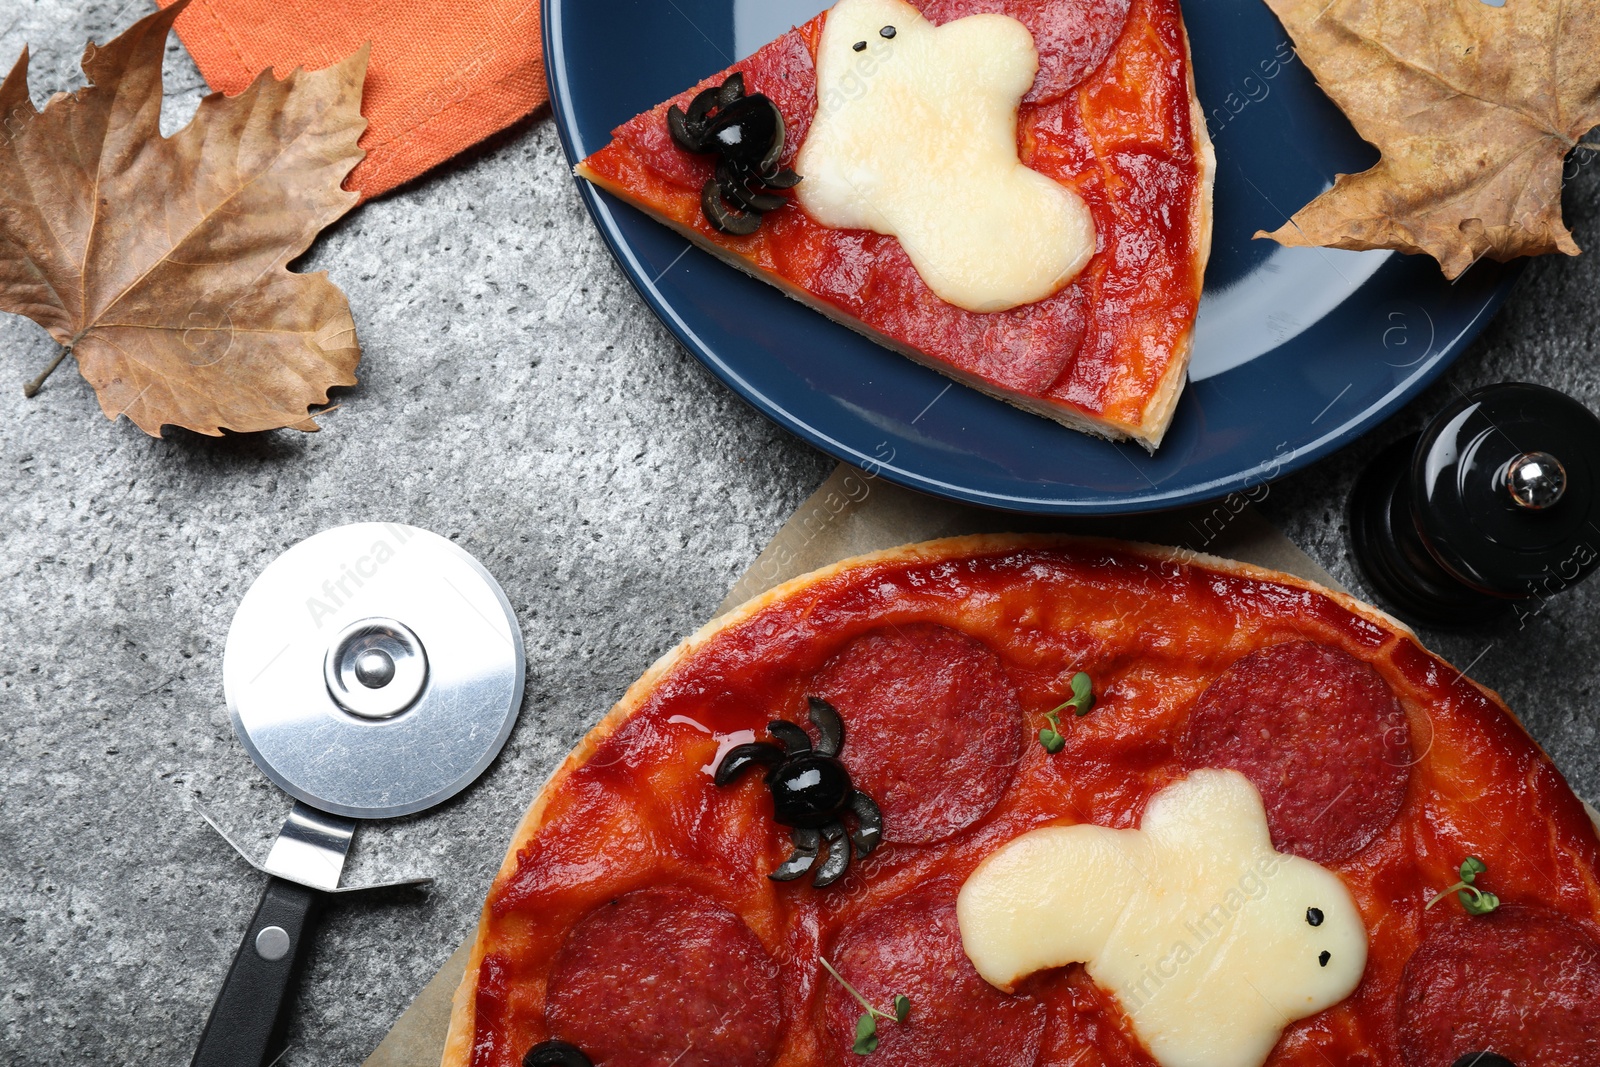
{"x":746,"y":133}
{"x":811,"y":793}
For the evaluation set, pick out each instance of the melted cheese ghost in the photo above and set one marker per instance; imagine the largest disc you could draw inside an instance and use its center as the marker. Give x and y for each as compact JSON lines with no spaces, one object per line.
{"x":1211,"y":942}
{"x":916,"y":137}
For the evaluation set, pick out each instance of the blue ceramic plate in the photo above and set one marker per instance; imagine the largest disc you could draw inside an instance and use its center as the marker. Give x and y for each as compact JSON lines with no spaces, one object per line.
{"x":1297,"y":351}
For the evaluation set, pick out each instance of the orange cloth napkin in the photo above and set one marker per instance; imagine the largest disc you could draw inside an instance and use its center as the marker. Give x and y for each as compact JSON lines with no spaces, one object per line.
{"x":443,"y":75}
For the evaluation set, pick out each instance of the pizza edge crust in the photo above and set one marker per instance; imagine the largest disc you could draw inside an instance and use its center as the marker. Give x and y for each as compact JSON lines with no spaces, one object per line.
{"x":458,"y":1043}
{"x":1162,"y":404}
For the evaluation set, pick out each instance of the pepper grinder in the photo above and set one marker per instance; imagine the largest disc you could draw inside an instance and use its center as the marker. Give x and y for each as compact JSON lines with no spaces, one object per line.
{"x":1490,"y":508}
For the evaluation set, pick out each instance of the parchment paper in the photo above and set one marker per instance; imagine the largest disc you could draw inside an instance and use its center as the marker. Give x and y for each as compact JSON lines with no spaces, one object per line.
{"x":855,"y":512}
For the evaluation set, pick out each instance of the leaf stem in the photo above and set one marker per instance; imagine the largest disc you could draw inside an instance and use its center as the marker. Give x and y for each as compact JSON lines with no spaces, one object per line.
{"x":848,"y":988}
{"x":1458,"y":887}
{"x":31,"y":389}
{"x":1480,"y":903}
{"x":1588,"y":146}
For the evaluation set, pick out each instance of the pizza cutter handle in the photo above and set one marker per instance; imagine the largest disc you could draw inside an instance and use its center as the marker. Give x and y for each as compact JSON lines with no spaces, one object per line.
{"x":244,"y":1023}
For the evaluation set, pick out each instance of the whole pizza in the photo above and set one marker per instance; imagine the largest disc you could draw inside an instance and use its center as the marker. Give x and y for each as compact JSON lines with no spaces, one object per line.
{"x":1023,"y":801}
{"x":1016,"y":193}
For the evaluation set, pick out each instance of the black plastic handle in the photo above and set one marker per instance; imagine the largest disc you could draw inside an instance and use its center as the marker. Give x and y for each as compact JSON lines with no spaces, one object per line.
{"x":244,"y":1023}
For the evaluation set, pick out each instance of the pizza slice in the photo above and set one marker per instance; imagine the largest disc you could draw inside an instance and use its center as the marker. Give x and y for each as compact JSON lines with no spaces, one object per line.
{"x":1041,"y":802}
{"x":1015,"y":193}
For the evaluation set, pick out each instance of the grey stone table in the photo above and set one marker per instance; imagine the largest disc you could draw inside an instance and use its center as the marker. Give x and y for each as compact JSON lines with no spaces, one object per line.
{"x":518,"y":398}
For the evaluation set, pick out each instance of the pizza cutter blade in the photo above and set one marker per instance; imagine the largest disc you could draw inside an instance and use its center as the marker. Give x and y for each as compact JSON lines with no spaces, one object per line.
{"x":371,"y":671}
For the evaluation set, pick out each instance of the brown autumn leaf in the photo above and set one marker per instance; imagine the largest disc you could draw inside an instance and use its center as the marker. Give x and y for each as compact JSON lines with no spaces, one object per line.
{"x":161,"y":264}
{"x":1474,"y":109}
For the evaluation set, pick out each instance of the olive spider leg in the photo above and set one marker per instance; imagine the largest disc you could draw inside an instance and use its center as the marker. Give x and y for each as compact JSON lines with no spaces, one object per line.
{"x":830,"y":728}
{"x":869,"y":823}
{"x":793,"y":738}
{"x":838,"y":856}
{"x":806,"y":843}
{"x":742,"y":757}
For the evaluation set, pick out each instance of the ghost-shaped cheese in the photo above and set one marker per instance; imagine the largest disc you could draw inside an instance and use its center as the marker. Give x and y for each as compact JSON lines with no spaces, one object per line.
{"x":915,"y":137}
{"x":1211,"y":941}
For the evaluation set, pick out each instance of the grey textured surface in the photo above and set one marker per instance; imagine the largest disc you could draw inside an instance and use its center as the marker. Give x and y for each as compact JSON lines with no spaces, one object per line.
{"x":518,"y":398}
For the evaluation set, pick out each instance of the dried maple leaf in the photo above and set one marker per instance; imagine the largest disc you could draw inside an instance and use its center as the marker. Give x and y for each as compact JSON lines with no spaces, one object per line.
{"x":161,"y":264}
{"x":1474,"y":109}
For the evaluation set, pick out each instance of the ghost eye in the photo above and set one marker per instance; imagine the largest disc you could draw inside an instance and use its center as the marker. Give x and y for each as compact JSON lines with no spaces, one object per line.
{"x":1314,"y":917}
{"x":859,"y":46}
{"x":887,"y":33}
{"x":1325,"y":957}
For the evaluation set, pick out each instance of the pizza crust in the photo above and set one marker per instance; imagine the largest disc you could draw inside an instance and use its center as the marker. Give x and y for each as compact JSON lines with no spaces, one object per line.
{"x":458,"y":1045}
{"x":1164,"y":404}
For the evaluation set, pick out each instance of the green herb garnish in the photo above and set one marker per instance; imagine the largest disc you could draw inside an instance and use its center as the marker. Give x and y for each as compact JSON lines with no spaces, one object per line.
{"x":1050,"y":737}
{"x":1082,"y":695}
{"x":867,"y":1025}
{"x":1476,"y":901}
{"x":1081,"y":701}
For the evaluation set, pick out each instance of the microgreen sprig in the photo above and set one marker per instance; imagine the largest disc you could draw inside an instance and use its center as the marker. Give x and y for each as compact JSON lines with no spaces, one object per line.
{"x":1476,"y":901}
{"x":1081,"y":701}
{"x":867,"y":1025}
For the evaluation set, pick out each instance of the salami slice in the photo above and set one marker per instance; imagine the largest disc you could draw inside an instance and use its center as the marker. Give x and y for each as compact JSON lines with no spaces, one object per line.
{"x":1523,"y":983}
{"x":1322,"y":737}
{"x":666,"y":976}
{"x":912,"y":946}
{"x":1072,"y":39}
{"x":933,"y":727}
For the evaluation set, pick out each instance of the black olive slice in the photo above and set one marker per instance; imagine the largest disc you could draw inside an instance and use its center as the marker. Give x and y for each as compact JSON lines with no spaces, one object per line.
{"x":1483,"y":1059}
{"x":748,"y":132}
{"x":794,"y":739}
{"x":741,"y":758}
{"x":555,"y":1054}
{"x":870,"y":821}
{"x":830,"y":727}
{"x":769,"y":162}
{"x":806,"y":843}
{"x":701,"y":106}
{"x":721,"y":218}
{"x":682,"y":135}
{"x":838,"y":858}
{"x":784,"y":179}
{"x":732,"y":89}
{"x":735,"y":189}
{"x":809,"y":791}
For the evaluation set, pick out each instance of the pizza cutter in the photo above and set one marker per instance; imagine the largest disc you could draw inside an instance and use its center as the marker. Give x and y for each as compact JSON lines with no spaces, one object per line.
{"x":371,"y":671}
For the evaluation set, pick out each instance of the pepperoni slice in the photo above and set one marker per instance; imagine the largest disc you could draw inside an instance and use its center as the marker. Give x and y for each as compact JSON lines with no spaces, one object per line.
{"x":912,"y":946}
{"x":1072,"y":38}
{"x":932,"y":727}
{"x":665,"y":976}
{"x":1523,"y":983}
{"x":1319,"y":733}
